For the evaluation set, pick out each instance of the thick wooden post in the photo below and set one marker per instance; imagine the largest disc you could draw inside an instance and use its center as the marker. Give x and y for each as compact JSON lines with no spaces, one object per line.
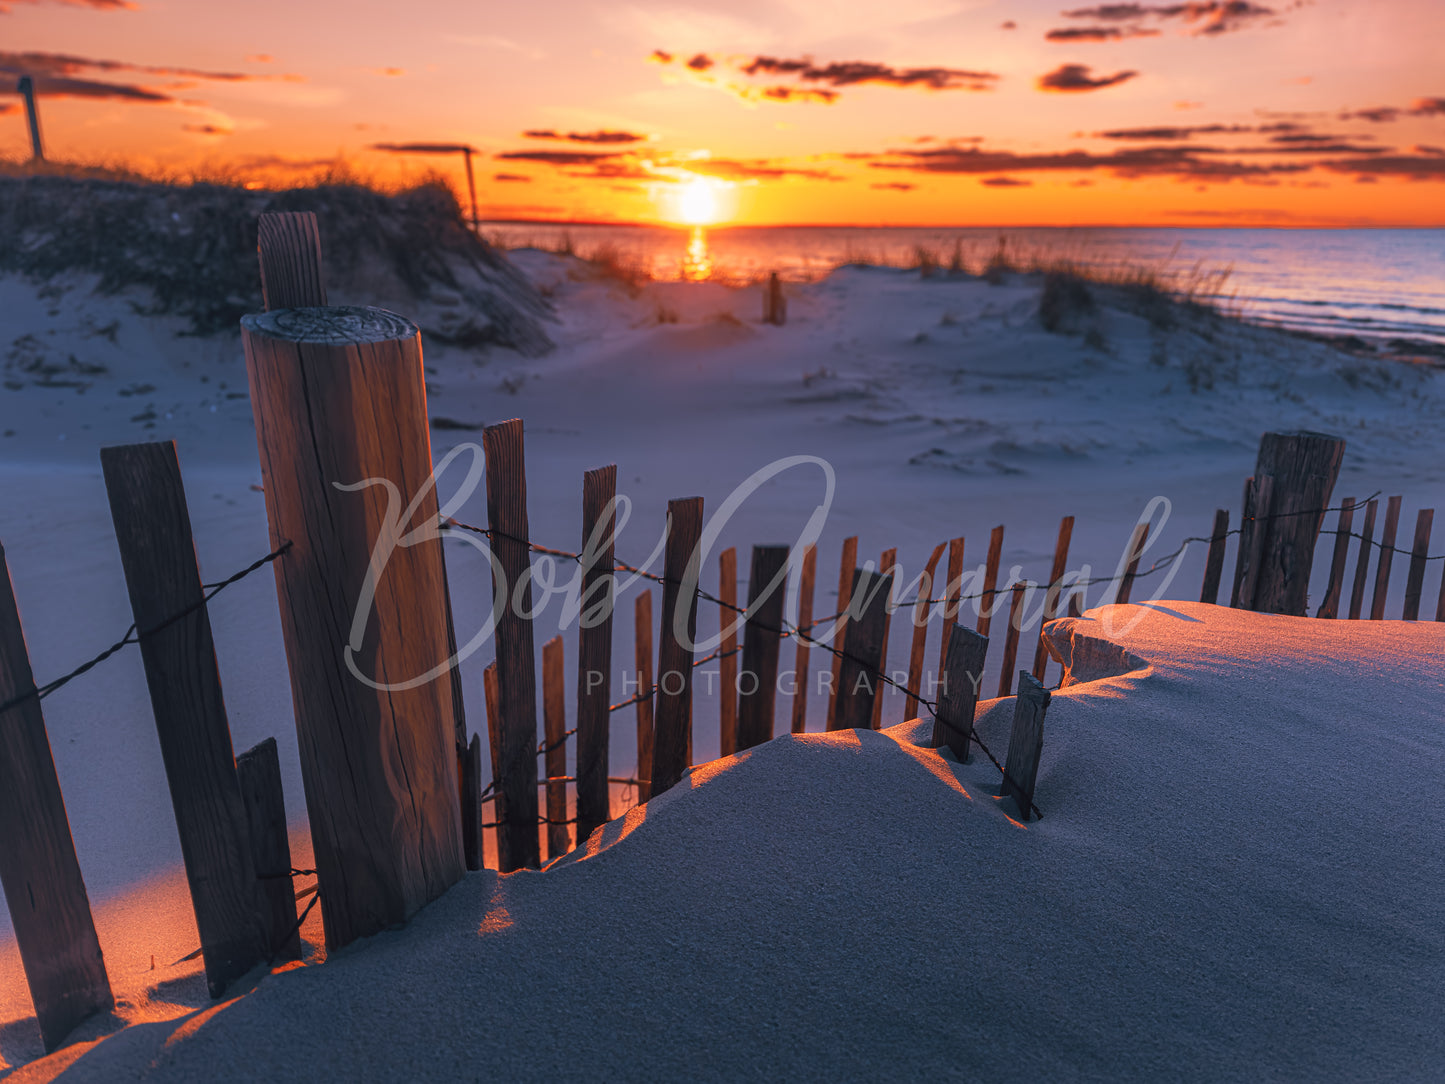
{"x":1302,"y":468}
{"x":258,"y":771}
{"x":153,"y":531}
{"x":846,"y":568}
{"x":1386,"y":558}
{"x":919,"y":646}
{"x":594,"y":650}
{"x":516,"y":658}
{"x":805,"y":622}
{"x":775,"y":305}
{"x":554,"y":733}
{"x":888,"y":566}
{"x":472,"y":849}
{"x":1214,"y":562}
{"x":761,"y":642}
{"x":963,"y":677}
{"x":670,"y":741}
{"x":492,"y":698}
{"x":1253,"y":530}
{"x":1051,"y":596}
{"x":1330,"y":606}
{"x":49,"y":909}
{"x":1362,"y":560}
{"x":858,"y":676}
{"x":1415,"y":584}
{"x":1011,"y":637}
{"x":339,"y":401}
{"x":728,"y":618}
{"x":1137,"y":541}
{"x":952,"y":589}
{"x":642,"y":629}
{"x":1026,"y":741}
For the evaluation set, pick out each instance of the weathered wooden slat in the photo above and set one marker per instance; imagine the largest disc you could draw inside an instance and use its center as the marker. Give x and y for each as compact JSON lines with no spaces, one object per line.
{"x":801,"y":677}
{"x":49,"y":908}
{"x":1386,"y":559}
{"x":671,"y":741}
{"x":339,"y":398}
{"x":1138,"y":539}
{"x":1051,"y":596}
{"x":1330,"y":605}
{"x":921,"y":609}
{"x":493,"y":700}
{"x":1302,"y":468}
{"x":258,"y":772}
{"x":728,"y":619}
{"x":1214,"y":562}
{"x":1415,"y":583}
{"x":1025,"y":743}
{"x":1252,"y":542}
{"x":516,"y":658}
{"x":472,"y":849}
{"x":594,"y":650}
{"x":1362,"y":561}
{"x":554,"y":733}
{"x":952,"y":588}
{"x":761,"y":643}
{"x":642,"y":628}
{"x":888,"y":565}
{"x":846,"y":567}
{"x":158,"y":554}
{"x":858,"y":675}
{"x":289,"y":246}
{"x":1246,"y":537}
{"x":989,"y":593}
{"x":963,"y":677}
{"x":1011,"y":638}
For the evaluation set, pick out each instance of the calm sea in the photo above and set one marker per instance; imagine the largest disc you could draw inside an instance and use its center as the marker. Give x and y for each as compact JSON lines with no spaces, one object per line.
{"x":1376,"y":284}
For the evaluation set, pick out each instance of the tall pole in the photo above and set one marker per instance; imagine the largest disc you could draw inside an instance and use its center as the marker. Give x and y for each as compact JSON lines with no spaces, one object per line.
{"x":27,"y":88}
{"x":471,"y":184}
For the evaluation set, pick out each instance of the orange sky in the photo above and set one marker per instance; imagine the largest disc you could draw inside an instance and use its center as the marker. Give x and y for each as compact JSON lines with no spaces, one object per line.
{"x":1215,"y":112}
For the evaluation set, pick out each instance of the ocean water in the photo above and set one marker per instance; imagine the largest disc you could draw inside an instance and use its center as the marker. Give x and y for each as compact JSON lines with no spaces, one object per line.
{"x":1376,"y":284}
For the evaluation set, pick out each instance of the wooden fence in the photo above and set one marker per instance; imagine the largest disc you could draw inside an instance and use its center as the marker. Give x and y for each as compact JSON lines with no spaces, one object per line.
{"x":393,"y":776}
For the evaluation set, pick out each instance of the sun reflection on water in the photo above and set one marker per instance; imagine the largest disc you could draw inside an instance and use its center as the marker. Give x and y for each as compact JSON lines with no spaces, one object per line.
{"x":697,"y":263}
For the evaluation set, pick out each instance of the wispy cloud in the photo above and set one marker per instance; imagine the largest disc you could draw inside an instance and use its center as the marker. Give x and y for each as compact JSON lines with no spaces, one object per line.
{"x":1114,"y":22}
{"x":603,"y":136}
{"x":1068,"y":78}
{"x":512,"y":178}
{"x":94,"y":5}
{"x":1100,"y":33}
{"x":1005,"y":182}
{"x":559,"y":158}
{"x":856,"y":72}
{"x":1180,"y":162}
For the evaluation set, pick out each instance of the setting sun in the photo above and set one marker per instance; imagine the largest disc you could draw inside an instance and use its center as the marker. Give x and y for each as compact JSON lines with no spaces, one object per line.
{"x":698,"y":202}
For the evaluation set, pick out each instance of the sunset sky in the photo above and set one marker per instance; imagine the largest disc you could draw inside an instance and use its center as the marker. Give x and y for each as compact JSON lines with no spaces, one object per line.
{"x":772,"y":111}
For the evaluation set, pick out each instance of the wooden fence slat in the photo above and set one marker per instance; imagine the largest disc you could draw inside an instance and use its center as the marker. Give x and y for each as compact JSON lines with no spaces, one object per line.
{"x":472,"y":805}
{"x":963,"y":677}
{"x":554,"y":733}
{"x":1302,"y":468}
{"x":761,"y":643}
{"x":989,"y":599}
{"x":594,"y":650}
{"x":1051,"y":596}
{"x":516,"y":659}
{"x":846,"y":566}
{"x":919,"y":647}
{"x":1330,"y":605}
{"x":805,"y":621}
{"x":1214,"y":562}
{"x":1138,"y":539}
{"x":1386,"y":558}
{"x":1011,"y":638}
{"x":49,"y":908}
{"x":289,"y":246}
{"x":379,"y":761}
{"x":1362,"y":562}
{"x":888,"y":565}
{"x":642,"y":629}
{"x":952,"y":588}
{"x":493,"y":700}
{"x":258,"y":772}
{"x":1415,"y":583}
{"x":859,"y":673}
{"x":1254,"y":529}
{"x":158,"y":555}
{"x":671,"y":741}
{"x":728,"y":619}
{"x":1440,"y":602}
{"x":1025,"y":743}
{"x":1246,"y":534}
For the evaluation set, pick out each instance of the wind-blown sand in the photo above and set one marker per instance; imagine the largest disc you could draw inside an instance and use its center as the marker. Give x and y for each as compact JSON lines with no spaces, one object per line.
{"x":1268,"y":883}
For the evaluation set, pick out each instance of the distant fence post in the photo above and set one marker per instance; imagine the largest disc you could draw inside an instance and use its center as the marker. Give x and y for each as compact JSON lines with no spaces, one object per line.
{"x":727,"y":664}
{"x":378,"y":753}
{"x":1415,"y":584}
{"x":642,"y":635}
{"x":1214,"y":562}
{"x":1011,"y":637}
{"x":805,"y":627}
{"x":858,"y":678}
{"x":761,"y":642}
{"x":1051,"y":596}
{"x":988,"y":593}
{"x":26,"y":89}
{"x":1362,"y":561}
{"x":49,"y":909}
{"x":1137,"y":541}
{"x":258,"y":771}
{"x":1386,"y":559}
{"x":594,"y":650}
{"x":1025,"y":743}
{"x":952,"y":589}
{"x":671,"y":738}
{"x":775,"y":305}
{"x":158,"y":554}
{"x":953,"y":726}
{"x":919,"y":645}
{"x":1330,"y":606}
{"x":846,"y":566}
{"x":888,"y":566}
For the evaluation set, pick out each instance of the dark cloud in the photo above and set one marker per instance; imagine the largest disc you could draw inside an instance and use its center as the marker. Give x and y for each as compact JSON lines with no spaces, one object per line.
{"x":1006,"y":182}
{"x":585,"y":137}
{"x":512,"y":178}
{"x":1075,"y":77}
{"x":798,"y":94}
{"x":1170,"y":161}
{"x":559,"y":158}
{"x":95,"y":5}
{"x":422,"y":148}
{"x":206,"y":129}
{"x":1154,"y":135}
{"x":857,"y":72}
{"x":1428,"y":107}
{"x":8,"y":107}
{"x":1416,"y":167}
{"x":1008,"y":25}
{"x":660,"y":57}
{"x":60,"y":87}
{"x":894,"y":186}
{"x":66,"y":64}
{"x":1201,"y":16}
{"x":624,"y":170}
{"x":1100,"y":33}
{"x":701,"y":62}
{"x":730,"y":169}
{"x":1384,"y":114}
